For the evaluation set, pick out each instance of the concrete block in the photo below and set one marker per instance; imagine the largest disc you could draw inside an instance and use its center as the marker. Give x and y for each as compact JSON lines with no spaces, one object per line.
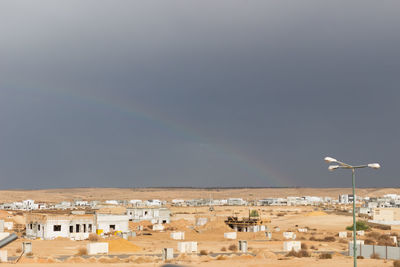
{"x":268,"y":235}
{"x":360,"y":233}
{"x":158,"y":227}
{"x":289,"y":235}
{"x":187,"y":247}
{"x":342,"y":234}
{"x":8,"y":225}
{"x":230,"y":235}
{"x":178,"y":235}
{"x":27,"y":247}
{"x":167,"y":254}
{"x":291,"y":245}
{"x":201,"y":221}
{"x":3,"y":256}
{"x":97,"y":248}
{"x":243,"y":246}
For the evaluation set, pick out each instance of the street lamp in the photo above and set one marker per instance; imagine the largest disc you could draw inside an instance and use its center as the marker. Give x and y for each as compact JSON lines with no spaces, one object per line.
{"x":342,"y":165}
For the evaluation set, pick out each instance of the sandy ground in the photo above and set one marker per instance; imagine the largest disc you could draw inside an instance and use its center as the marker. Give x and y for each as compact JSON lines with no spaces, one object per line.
{"x":57,"y":195}
{"x":236,"y":263}
{"x":210,"y":237}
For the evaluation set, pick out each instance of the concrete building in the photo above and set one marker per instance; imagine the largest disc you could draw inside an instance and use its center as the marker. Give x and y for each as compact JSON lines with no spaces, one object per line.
{"x":48,"y":226}
{"x":152,"y":214}
{"x":107,"y":223}
{"x":386,"y":216}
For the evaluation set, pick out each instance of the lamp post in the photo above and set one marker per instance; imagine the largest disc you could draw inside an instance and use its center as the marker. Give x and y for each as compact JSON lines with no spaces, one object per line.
{"x":342,"y":165}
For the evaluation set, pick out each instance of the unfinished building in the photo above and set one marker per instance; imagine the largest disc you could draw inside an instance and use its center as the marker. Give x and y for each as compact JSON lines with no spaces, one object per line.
{"x":152,"y":214}
{"x":48,"y":226}
{"x":246,"y":224}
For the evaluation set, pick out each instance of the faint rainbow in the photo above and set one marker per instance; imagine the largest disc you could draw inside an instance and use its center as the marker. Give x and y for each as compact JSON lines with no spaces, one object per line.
{"x":250,"y":163}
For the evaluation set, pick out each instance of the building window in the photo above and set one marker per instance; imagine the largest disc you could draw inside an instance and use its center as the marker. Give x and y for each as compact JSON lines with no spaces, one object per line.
{"x":38,"y":227}
{"x":78,"y":228}
{"x":71,"y":228}
{"x":30,"y":226}
{"x":112,"y":227}
{"x":90,"y":227}
{"x":57,"y":228}
{"x":84,"y":228}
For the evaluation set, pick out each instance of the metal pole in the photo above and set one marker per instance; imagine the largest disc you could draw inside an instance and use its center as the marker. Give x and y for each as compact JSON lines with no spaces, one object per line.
{"x":354,"y":220}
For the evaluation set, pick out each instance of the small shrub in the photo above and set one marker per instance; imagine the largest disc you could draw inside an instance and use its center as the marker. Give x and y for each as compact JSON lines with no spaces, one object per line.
{"x":233,"y":247}
{"x":221,"y":258}
{"x":30,"y":254}
{"x":299,"y":254}
{"x":375,"y":256}
{"x":281,"y":214}
{"x":304,"y":246}
{"x":313,"y":247}
{"x":94,"y":238}
{"x":329,"y":239}
{"x":396,"y":263}
{"x":18,"y":250}
{"x":325,"y":256}
{"x":82,"y":251}
{"x":374,"y":235}
{"x":312,"y":238}
{"x":203,"y":252}
{"x":360,"y":257}
{"x":223,"y":249}
{"x":360,"y":226}
{"x":369,"y":242}
{"x":304,"y":253}
{"x":385,"y":240}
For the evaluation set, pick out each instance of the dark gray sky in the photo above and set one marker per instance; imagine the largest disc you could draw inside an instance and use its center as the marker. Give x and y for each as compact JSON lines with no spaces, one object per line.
{"x":198,"y":93}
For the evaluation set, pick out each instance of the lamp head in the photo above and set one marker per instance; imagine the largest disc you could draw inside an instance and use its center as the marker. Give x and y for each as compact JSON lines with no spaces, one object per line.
{"x":330,"y":160}
{"x":333,"y":167}
{"x":374,"y":165}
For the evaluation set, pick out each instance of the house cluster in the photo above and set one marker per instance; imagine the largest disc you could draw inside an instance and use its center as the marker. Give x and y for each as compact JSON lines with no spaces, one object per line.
{"x":79,"y":224}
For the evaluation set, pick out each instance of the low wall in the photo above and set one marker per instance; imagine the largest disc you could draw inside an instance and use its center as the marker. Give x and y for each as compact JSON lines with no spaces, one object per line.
{"x":384,"y":252}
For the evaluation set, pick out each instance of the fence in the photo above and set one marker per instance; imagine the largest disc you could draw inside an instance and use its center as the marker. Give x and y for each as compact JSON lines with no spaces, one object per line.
{"x":384,"y":252}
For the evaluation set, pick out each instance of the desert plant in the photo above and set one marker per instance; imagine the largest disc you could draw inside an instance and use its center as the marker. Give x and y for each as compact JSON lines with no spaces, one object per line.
{"x":30,"y":254}
{"x":369,"y":242}
{"x":374,"y":235}
{"x":299,"y":254}
{"x":94,"y":238}
{"x":254,"y":213}
{"x":385,"y":240}
{"x":360,"y":226}
{"x":312,"y":238}
{"x":360,"y":257}
{"x":203,"y":252}
{"x":375,"y":256}
{"x":221,"y":258}
{"x":18,"y":250}
{"x":329,"y":239}
{"x":82,"y":251}
{"x":325,"y":256}
{"x":396,"y":263}
{"x":233,"y":247}
{"x":223,"y":249}
{"x":304,"y":246}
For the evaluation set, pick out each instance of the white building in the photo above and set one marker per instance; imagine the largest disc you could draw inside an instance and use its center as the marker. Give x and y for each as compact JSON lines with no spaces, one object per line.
{"x":152,"y":214}
{"x":52,"y":225}
{"x":107,"y":223}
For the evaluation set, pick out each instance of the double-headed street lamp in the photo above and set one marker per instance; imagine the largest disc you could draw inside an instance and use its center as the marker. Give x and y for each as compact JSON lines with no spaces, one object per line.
{"x":342,"y":165}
